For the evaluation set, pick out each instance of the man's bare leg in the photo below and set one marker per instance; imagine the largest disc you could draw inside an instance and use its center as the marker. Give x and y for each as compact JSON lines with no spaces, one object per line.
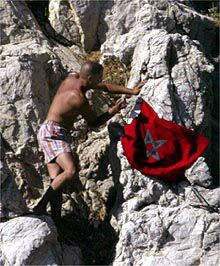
{"x":65,"y":162}
{"x":54,"y":170}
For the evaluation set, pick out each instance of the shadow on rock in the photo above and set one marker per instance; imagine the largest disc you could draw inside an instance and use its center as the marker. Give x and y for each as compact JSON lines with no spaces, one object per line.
{"x":96,"y":239}
{"x":116,"y":131}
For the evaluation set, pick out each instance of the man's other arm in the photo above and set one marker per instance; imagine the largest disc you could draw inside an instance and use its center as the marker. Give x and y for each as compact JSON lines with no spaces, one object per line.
{"x":95,"y":121}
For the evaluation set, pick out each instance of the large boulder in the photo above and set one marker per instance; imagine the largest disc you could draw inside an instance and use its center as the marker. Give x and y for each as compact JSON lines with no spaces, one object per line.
{"x":33,"y":241}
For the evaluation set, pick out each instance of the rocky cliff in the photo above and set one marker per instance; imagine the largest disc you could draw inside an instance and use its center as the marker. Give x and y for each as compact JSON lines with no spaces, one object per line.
{"x":118,"y":216}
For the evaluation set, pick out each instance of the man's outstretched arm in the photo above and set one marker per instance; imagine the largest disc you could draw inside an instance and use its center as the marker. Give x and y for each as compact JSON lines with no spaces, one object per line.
{"x":112,"y":88}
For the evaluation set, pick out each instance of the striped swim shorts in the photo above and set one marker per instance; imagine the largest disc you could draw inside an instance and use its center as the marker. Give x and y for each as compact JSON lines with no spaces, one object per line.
{"x":52,"y":139}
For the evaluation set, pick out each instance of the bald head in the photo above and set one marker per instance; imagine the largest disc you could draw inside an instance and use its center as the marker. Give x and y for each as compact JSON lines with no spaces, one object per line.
{"x":90,"y":68}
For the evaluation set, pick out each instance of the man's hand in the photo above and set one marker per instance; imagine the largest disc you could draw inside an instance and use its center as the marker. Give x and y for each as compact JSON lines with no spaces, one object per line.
{"x":117,"y":107}
{"x":136,"y":90}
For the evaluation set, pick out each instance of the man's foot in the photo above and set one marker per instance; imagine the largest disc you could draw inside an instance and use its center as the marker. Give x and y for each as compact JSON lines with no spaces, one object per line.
{"x":40,"y":208}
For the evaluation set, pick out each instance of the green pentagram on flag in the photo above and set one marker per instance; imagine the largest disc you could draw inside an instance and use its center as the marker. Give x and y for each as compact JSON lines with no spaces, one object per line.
{"x":156,"y":144}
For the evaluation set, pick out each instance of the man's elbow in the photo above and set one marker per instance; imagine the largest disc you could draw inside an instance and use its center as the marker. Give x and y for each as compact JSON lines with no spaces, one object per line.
{"x":102,"y":87}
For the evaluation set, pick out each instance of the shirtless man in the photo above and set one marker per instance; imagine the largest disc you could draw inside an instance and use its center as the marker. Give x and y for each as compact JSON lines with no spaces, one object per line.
{"x":68,"y":103}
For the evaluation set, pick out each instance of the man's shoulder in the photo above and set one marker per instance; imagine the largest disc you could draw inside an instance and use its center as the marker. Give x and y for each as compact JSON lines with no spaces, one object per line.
{"x":69,"y":83}
{"x":73,"y":74}
{"x":70,"y":79}
{"x":76,"y":97}
{"x":71,"y":89}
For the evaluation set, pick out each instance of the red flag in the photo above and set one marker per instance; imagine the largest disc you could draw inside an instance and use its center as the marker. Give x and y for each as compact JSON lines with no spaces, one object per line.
{"x":161,"y":148}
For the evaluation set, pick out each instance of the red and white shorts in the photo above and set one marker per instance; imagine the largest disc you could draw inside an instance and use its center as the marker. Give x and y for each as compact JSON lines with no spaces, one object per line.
{"x":52,"y":139}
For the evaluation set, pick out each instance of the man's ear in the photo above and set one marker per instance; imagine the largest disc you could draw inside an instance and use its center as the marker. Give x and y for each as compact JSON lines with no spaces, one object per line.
{"x":89,"y":78}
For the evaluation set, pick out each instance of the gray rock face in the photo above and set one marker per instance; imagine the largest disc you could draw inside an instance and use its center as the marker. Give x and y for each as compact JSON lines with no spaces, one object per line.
{"x":21,"y":26}
{"x":76,"y":20}
{"x":164,"y":42}
{"x":133,"y":18}
{"x":33,"y":241}
{"x":118,"y":25}
{"x":23,"y":109}
{"x":31,"y":70}
{"x":69,"y":28}
{"x":171,"y":64}
{"x":157,"y":223}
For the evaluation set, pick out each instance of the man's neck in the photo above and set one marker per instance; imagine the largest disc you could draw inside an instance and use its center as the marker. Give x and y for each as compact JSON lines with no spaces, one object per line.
{"x":84,"y":85}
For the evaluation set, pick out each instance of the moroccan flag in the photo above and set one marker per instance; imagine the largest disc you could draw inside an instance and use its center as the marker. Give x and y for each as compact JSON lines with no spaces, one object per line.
{"x":161,"y":148}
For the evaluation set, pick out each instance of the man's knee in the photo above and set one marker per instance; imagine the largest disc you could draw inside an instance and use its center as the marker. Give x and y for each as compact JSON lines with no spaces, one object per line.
{"x":70,"y":173}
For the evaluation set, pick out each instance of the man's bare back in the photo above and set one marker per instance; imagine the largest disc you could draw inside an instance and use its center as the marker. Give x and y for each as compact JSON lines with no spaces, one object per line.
{"x":68,"y":102}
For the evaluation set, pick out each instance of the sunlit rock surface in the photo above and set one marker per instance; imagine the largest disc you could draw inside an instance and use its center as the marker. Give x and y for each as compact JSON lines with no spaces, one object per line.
{"x":117,"y":215}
